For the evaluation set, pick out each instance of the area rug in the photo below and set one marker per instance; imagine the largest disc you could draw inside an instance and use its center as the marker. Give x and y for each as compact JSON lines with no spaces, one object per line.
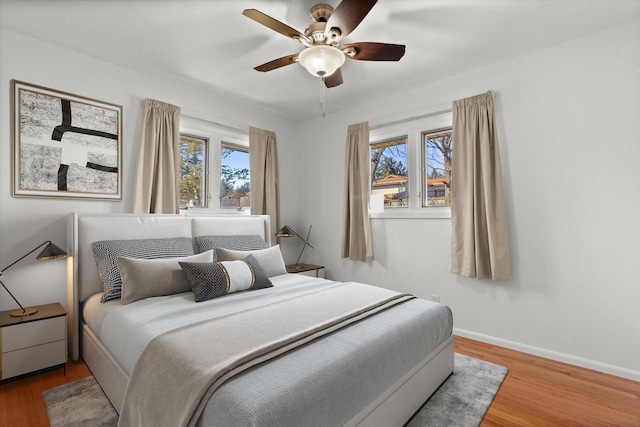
{"x":465,"y":397}
{"x":461,"y":401}
{"x":80,"y":403}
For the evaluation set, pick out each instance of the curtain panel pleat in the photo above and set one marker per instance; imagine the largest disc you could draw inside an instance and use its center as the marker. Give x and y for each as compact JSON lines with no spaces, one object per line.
{"x":157,"y":178}
{"x":263,"y":163}
{"x":356,"y":230}
{"x":479,"y":238}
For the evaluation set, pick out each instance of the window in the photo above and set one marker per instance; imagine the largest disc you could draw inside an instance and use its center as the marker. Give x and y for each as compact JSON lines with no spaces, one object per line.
{"x":234,"y":176}
{"x":436,"y":148}
{"x":214,"y":166}
{"x":389,"y":171}
{"x":193,"y":155}
{"x":411,"y":167}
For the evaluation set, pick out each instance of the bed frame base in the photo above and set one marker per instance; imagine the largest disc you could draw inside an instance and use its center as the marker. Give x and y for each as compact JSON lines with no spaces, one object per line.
{"x":111,"y":377}
{"x":397,"y":405}
{"x":393,"y":408}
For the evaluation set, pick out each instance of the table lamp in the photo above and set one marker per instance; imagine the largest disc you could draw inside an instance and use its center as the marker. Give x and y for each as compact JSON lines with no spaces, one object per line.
{"x":287,"y":231}
{"x":50,"y":251}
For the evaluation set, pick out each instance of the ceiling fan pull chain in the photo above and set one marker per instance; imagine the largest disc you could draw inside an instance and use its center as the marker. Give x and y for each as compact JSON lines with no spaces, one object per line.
{"x":322,"y":95}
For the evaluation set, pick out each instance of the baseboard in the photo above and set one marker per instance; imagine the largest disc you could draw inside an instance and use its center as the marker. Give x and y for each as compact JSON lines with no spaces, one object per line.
{"x":553,"y":355}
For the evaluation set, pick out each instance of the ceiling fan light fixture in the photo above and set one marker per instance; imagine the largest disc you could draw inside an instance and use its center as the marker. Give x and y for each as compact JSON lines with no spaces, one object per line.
{"x":321,"y":61}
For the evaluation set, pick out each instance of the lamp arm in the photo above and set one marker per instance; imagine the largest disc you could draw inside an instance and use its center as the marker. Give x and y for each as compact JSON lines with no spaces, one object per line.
{"x":306,"y":243}
{"x":23,"y":257}
{"x":300,"y":256}
{"x":9,"y":292}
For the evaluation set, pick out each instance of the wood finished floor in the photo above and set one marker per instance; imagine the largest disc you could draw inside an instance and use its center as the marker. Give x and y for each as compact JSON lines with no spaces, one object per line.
{"x":542,"y":392}
{"x":21,"y":401}
{"x":536,"y":392}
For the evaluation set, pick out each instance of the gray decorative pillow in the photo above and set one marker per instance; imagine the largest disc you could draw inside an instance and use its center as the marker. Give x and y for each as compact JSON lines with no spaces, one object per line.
{"x":146,"y":278}
{"x":270,"y":259}
{"x":241,"y":242}
{"x":214,"y":279}
{"x":106,"y":252}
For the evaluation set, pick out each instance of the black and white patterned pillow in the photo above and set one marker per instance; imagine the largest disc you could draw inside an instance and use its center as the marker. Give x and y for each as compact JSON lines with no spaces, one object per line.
{"x":214,"y":279}
{"x":106,"y":253}
{"x":240,"y":242}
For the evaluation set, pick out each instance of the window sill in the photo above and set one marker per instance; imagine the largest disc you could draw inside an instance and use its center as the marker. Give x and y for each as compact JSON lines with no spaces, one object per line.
{"x":427,"y":213}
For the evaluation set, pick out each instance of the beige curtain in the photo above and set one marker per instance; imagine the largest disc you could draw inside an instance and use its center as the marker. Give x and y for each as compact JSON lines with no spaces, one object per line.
{"x":263,"y":172}
{"x":479,"y":239}
{"x":157,"y":186}
{"x":356,"y":229}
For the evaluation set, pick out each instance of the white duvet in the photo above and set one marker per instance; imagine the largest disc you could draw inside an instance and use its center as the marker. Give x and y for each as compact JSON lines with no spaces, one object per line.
{"x":127,"y":329}
{"x":323,"y":383}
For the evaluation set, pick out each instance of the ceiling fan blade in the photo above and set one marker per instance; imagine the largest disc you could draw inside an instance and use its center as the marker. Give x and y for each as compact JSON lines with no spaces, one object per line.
{"x":348,"y":15}
{"x":334,"y":79}
{"x":273,"y":24}
{"x":371,"y":51}
{"x":277,"y":63}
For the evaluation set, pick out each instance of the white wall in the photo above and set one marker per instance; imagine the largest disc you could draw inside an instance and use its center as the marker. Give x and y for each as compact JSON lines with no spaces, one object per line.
{"x":27,"y":222}
{"x":569,"y":126}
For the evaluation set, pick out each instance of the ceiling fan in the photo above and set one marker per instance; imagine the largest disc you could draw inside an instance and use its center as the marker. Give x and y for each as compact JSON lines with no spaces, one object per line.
{"x":323,"y":56}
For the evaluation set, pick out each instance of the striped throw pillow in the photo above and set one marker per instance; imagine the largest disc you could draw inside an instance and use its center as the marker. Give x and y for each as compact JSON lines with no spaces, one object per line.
{"x":214,"y":279}
{"x":106,"y":253}
{"x":245,"y":242}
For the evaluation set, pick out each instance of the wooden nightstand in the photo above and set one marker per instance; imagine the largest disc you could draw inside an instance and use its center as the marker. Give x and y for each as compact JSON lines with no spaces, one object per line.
{"x":35,"y":342}
{"x":306,"y":269}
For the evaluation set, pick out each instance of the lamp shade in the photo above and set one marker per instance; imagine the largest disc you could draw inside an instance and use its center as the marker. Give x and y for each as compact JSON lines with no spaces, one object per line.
{"x":321,"y":61}
{"x":286,"y":231}
{"x":51,"y":251}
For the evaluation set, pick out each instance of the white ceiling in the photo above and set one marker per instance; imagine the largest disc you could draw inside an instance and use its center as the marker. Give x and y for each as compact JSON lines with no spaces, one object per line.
{"x":211,"y":43}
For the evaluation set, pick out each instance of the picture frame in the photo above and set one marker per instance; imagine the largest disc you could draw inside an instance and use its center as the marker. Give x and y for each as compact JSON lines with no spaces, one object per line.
{"x":65,"y":145}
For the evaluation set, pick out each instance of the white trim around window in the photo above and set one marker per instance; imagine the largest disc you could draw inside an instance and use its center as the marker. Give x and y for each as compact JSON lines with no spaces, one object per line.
{"x":216,"y":136}
{"x":413,"y":130}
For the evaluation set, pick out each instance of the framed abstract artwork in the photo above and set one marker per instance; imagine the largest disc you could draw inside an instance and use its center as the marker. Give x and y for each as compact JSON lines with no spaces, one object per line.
{"x":65,"y":145}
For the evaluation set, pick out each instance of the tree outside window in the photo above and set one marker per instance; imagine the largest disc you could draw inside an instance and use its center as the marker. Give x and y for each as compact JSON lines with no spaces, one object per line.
{"x":235,"y":191}
{"x":192,"y":172}
{"x":389,"y":171}
{"x":437,"y":148}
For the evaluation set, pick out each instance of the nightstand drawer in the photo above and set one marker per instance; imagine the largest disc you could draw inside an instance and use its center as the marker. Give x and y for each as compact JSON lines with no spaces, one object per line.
{"x":34,"y":333}
{"x":33,"y":358}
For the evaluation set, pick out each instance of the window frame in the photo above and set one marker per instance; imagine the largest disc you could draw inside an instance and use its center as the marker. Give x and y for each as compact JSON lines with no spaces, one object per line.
{"x":225,"y":144}
{"x":205,"y":184}
{"x":216,"y":135}
{"x":408,"y":187}
{"x":423,"y":181}
{"x":416,"y":164}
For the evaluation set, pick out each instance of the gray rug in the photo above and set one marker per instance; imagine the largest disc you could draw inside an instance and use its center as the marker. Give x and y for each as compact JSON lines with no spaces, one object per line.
{"x":461,"y":401}
{"x":465,"y":397}
{"x":80,"y":403}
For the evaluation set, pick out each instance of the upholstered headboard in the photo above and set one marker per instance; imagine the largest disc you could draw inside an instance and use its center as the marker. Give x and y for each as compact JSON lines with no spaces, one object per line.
{"x":84,"y":229}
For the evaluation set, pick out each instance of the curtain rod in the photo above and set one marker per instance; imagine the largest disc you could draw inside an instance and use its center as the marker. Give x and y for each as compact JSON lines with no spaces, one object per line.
{"x":422,"y":116}
{"x":409,"y":119}
{"x":204,"y":118}
{"x":244,"y":131}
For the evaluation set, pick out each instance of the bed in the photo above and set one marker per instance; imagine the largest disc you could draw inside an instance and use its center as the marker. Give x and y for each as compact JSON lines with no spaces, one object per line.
{"x":373,"y":371}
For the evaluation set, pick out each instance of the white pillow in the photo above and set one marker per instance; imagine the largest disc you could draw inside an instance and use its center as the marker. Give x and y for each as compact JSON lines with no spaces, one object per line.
{"x":269,"y":259}
{"x":145,"y":278}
